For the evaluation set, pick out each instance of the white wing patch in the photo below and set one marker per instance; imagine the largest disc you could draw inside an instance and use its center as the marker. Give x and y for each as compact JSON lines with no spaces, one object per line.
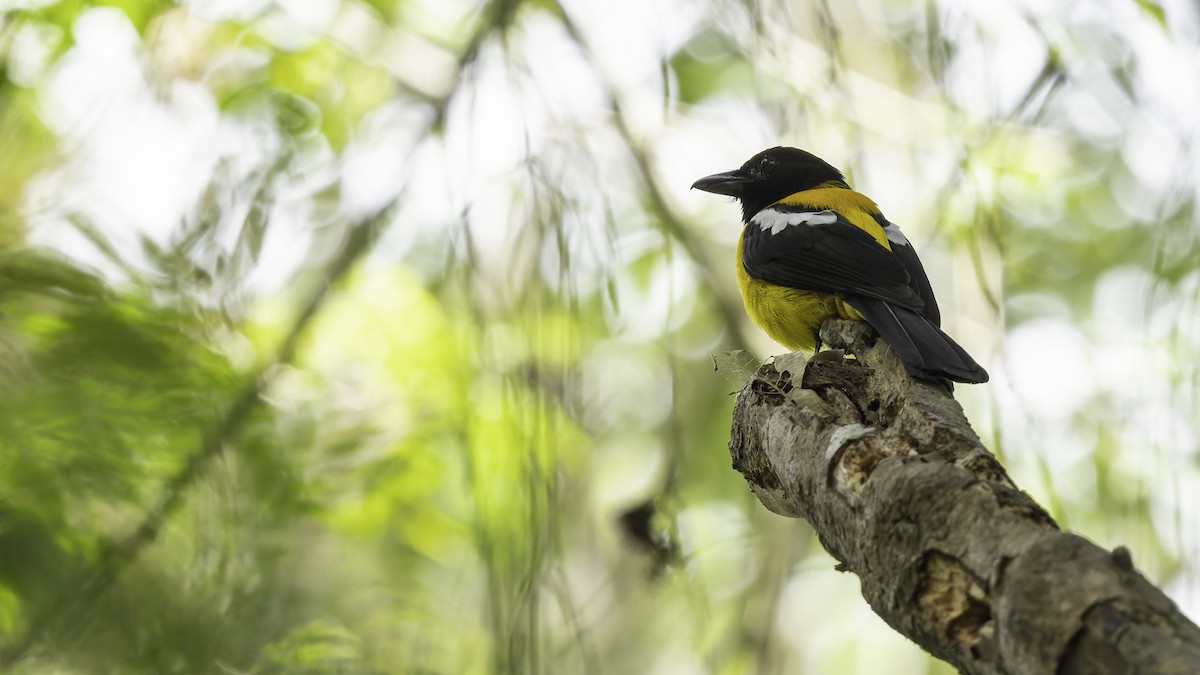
{"x":894,"y":234}
{"x":776,"y":221}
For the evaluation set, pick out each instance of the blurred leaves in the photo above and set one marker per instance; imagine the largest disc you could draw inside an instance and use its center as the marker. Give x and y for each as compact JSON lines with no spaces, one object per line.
{"x":1155,"y":10}
{"x":707,"y":65}
{"x":315,"y":649}
{"x":25,"y":148}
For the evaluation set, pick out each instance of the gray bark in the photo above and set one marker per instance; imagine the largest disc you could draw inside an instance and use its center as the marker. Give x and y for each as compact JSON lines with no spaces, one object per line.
{"x":948,"y":550}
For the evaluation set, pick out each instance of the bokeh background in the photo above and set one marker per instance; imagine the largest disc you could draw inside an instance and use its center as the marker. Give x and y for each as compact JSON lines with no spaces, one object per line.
{"x":385,"y":336}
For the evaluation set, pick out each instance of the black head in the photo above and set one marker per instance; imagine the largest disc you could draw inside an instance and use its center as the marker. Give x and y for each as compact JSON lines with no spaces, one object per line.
{"x":770,"y":176}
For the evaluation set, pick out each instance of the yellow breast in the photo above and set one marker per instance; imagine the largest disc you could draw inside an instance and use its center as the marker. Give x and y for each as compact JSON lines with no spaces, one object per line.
{"x":790,"y":316}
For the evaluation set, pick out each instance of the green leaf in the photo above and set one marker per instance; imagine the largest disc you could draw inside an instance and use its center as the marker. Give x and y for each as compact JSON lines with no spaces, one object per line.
{"x":1155,"y":10}
{"x":709,"y":64}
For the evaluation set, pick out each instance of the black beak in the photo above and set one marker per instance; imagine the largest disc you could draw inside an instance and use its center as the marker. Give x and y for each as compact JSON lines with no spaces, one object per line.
{"x":728,"y":183}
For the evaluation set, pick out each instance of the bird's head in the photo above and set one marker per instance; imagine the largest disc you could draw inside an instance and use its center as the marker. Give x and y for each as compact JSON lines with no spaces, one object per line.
{"x":770,"y":176}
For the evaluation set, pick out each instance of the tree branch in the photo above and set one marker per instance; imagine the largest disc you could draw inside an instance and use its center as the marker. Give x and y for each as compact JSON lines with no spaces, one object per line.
{"x":949,"y":551}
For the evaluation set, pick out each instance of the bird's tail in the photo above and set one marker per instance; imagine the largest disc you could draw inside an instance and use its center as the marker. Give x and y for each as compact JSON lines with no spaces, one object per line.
{"x":926,"y":351}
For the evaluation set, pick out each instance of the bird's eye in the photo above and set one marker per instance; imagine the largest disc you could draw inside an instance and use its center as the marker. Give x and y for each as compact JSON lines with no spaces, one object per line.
{"x":763,"y":167}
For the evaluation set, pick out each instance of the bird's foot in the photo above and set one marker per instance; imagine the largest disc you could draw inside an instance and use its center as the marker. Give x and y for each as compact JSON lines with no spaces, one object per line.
{"x":828,"y":356}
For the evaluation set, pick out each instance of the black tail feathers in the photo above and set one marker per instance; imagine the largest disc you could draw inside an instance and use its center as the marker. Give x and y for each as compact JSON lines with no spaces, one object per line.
{"x":927,"y":352}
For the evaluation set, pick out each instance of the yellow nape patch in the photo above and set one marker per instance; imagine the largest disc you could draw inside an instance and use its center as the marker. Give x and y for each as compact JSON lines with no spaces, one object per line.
{"x":855,"y":207}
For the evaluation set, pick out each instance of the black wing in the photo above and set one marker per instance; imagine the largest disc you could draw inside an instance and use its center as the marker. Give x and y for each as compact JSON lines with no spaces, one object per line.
{"x":907,"y":255}
{"x":831,"y":257}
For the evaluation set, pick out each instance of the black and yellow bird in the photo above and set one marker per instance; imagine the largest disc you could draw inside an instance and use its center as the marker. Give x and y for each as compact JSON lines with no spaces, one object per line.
{"x":812,"y":248}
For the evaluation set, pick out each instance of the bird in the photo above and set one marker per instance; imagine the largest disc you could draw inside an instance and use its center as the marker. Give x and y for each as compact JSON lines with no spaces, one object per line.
{"x":812,"y":248}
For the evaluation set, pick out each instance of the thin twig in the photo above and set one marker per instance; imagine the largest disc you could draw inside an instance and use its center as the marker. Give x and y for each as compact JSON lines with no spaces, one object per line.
{"x":672,"y":223}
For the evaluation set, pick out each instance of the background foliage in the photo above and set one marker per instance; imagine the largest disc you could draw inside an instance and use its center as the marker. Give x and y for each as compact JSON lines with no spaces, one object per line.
{"x":374,"y":336}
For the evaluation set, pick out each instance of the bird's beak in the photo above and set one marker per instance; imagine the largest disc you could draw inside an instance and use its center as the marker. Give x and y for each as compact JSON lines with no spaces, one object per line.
{"x":728,"y":183}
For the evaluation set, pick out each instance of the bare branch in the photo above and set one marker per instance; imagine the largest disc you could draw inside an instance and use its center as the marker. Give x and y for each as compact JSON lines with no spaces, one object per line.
{"x":949,"y":551}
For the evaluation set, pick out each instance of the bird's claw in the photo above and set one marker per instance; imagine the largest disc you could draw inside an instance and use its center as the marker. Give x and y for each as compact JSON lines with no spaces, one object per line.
{"x":828,"y":356}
